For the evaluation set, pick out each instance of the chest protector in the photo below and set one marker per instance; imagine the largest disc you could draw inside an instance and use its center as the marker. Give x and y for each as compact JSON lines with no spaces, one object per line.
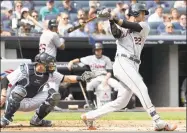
{"x":36,"y":81}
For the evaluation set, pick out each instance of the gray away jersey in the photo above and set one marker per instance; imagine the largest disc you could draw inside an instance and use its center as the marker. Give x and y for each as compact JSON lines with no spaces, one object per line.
{"x":97,"y":65}
{"x":49,"y":42}
{"x":132,"y":43}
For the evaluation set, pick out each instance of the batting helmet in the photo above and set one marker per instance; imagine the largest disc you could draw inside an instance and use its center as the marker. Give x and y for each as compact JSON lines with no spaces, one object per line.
{"x":52,"y":23}
{"x":135,"y":9}
{"x":98,"y":45}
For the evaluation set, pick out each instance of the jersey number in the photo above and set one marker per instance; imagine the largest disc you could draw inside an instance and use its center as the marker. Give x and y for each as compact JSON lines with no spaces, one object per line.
{"x":42,"y":48}
{"x":137,"y":40}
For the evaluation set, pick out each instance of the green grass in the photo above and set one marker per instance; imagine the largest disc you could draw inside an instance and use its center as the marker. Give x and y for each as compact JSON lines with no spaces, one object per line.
{"x":22,"y":116}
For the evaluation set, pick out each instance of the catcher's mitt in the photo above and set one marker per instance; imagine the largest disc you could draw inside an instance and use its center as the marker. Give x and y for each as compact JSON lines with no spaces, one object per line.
{"x":87,"y":76}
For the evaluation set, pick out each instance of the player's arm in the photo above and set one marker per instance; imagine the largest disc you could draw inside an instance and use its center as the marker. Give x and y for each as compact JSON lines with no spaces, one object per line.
{"x":126,"y":24}
{"x":12,"y":78}
{"x":59,"y":42}
{"x":74,"y":61}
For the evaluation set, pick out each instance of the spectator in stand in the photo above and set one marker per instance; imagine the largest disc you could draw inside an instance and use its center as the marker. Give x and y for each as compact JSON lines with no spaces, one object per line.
{"x":26,"y":30}
{"x":80,"y":32}
{"x":4,"y":32}
{"x":175,"y":15}
{"x":157,"y":16}
{"x":161,"y":27}
{"x":90,"y":27}
{"x":120,"y":9}
{"x":35,"y":15}
{"x":29,"y":4}
{"x":168,"y":29}
{"x":26,"y":18}
{"x":181,"y":25}
{"x":18,"y":6}
{"x":68,"y":7}
{"x":81,"y":14}
{"x":64,"y":24}
{"x":180,"y":4}
{"x":6,"y":4}
{"x":156,"y":3}
{"x":100,"y":28}
{"x":48,"y":9}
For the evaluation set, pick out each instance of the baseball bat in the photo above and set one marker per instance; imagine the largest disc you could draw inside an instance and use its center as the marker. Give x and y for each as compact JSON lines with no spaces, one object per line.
{"x":71,"y":29}
{"x":84,"y":94}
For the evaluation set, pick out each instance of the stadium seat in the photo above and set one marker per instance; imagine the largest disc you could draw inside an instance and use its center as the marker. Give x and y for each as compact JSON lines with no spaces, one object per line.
{"x":177,"y":32}
{"x":166,"y":10}
{"x":153,"y":32}
{"x":108,"y":3}
{"x":181,"y":10}
{"x":154,"y":25}
{"x":81,"y":4}
{"x":58,"y":3}
{"x":37,"y":8}
{"x":50,"y":16}
{"x":39,"y":2}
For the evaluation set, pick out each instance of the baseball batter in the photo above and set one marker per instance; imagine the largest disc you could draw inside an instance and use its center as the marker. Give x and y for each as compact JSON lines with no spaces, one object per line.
{"x":101,"y":65}
{"x":50,"y":41}
{"x":130,"y":38}
{"x":27,"y":95}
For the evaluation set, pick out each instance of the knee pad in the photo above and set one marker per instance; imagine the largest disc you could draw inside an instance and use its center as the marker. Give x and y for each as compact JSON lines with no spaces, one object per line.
{"x":53,"y":98}
{"x":18,"y":93}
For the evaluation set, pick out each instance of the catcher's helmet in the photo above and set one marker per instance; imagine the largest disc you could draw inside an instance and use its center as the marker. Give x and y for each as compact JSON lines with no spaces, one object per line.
{"x":52,"y":23}
{"x":135,"y":9}
{"x":47,"y":60}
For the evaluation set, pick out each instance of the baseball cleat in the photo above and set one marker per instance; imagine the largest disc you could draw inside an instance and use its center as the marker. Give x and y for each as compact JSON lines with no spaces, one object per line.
{"x":88,"y":122}
{"x":42,"y":123}
{"x":35,"y":121}
{"x":163,"y":126}
{"x":4,"y":122}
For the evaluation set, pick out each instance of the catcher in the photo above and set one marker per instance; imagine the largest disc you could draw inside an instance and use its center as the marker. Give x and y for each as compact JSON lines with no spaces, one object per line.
{"x":26,"y":92}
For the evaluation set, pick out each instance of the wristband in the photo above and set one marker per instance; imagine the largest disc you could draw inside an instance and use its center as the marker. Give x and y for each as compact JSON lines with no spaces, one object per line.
{"x":79,"y":78}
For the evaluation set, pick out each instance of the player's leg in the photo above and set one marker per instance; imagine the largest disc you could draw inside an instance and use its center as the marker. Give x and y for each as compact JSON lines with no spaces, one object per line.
{"x":45,"y":108}
{"x":31,"y":104}
{"x":127,"y":72}
{"x":122,"y":100}
{"x":13,"y":103}
{"x":90,"y":90}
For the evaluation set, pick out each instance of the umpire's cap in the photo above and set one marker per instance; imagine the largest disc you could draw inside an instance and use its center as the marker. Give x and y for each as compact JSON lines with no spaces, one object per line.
{"x":52,"y":23}
{"x":98,"y":45}
{"x":44,"y":58}
{"x":135,"y":9}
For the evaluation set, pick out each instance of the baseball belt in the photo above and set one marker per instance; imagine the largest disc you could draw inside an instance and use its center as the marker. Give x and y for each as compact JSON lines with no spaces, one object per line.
{"x":130,"y":57}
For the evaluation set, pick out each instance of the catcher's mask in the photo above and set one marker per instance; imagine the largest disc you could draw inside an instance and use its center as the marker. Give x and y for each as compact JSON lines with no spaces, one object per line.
{"x":98,"y":46}
{"x":47,"y":60}
{"x":135,"y":9}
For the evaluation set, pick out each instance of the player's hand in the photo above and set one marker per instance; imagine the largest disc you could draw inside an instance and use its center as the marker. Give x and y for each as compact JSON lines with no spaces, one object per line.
{"x":105,"y":13}
{"x":70,"y":65}
{"x":3,"y":99}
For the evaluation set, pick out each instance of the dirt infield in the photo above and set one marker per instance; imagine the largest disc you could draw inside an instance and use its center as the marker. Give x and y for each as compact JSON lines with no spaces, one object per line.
{"x":102,"y":125}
